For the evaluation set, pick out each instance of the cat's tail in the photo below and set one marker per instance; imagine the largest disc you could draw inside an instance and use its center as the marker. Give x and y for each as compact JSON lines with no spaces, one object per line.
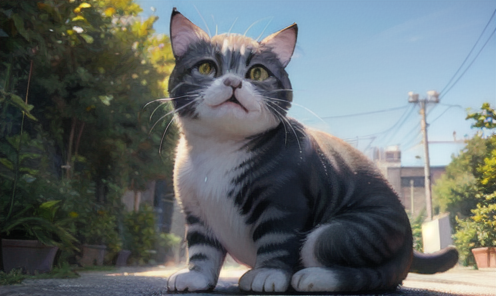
{"x":439,"y":261}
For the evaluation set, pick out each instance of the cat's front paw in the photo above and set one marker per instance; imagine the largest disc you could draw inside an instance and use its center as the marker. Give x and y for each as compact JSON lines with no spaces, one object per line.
{"x":190,"y":281}
{"x":265,"y":280}
{"x":314,"y":279}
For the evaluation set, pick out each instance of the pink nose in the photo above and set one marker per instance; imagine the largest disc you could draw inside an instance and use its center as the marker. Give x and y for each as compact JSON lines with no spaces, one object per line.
{"x":233,"y":82}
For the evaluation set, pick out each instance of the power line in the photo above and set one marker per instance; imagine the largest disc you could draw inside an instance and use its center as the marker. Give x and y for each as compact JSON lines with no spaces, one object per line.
{"x":365,"y":113}
{"x":446,"y":89}
{"x":399,"y":124}
{"x":369,"y":136}
{"x":411,"y":140}
{"x":468,"y":55}
{"x":449,"y":107}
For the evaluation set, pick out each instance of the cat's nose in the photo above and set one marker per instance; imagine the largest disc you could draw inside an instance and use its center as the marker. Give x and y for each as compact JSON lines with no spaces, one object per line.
{"x":233,"y":82}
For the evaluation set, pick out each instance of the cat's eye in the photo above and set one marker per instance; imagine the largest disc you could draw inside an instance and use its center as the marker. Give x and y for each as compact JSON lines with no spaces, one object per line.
{"x":206,"y":68}
{"x":258,"y":73}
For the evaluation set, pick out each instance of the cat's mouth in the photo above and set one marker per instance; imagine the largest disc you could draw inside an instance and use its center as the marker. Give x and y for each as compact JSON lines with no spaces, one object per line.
{"x":234,"y":100}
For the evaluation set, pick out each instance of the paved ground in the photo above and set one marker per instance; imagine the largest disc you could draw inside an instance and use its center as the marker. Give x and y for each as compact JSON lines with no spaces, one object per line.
{"x":152,"y":282}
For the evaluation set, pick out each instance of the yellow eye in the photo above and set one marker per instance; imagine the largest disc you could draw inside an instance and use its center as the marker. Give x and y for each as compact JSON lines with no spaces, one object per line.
{"x":206,"y":68}
{"x":258,"y":74}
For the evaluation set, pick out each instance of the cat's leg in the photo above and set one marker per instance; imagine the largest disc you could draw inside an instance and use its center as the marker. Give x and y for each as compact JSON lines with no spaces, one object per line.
{"x":277,"y":245}
{"x":206,"y":256}
{"x":347,"y":255}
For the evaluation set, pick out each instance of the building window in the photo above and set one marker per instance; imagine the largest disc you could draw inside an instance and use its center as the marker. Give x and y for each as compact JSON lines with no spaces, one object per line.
{"x":393,"y":156}
{"x":417,"y":181}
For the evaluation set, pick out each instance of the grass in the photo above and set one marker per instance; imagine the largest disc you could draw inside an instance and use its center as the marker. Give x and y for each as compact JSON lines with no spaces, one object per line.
{"x":15,"y":276}
{"x":65,"y":271}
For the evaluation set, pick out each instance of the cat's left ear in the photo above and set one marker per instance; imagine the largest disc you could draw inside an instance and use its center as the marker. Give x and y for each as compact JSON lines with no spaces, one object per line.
{"x":183,"y":33}
{"x":282,"y":43}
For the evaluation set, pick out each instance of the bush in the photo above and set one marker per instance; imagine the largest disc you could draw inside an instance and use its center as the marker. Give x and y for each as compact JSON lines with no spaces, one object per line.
{"x":140,"y":234}
{"x":416,"y":224}
{"x":167,"y":247}
{"x":465,"y":239}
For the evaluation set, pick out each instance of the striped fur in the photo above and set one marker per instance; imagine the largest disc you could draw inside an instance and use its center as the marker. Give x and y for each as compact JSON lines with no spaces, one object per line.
{"x":301,"y":207}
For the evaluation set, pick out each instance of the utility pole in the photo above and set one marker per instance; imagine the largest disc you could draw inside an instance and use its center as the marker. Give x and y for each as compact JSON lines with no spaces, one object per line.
{"x":432,"y":97}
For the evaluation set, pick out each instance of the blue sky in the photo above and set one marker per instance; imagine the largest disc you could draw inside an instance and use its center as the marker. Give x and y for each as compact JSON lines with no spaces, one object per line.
{"x":359,"y":56}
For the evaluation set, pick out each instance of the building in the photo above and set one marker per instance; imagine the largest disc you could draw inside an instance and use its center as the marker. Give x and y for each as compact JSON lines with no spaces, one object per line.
{"x":405,"y":169}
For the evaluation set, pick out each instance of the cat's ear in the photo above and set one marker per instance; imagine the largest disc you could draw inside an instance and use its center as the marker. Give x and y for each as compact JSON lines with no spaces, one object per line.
{"x":183,"y":33}
{"x":282,"y":43}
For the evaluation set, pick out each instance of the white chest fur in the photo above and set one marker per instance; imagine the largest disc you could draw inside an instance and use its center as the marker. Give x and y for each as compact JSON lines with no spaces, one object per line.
{"x":203,"y":171}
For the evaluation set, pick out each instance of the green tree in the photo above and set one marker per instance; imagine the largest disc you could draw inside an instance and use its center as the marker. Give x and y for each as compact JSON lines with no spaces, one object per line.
{"x":455,"y":191}
{"x":468,"y":189}
{"x":85,"y":69}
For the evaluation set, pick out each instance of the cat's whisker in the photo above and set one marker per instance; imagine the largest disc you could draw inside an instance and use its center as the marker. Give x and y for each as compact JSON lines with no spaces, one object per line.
{"x":256,"y":22}
{"x":204,"y":22}
{"x":154,"y":110}
{"x":216,"y":26}
{"x":263,"y":31}
{"x":281,"y":89}
{"x":164,"y":101}
{"x":301,"y":106}
{"x":281,"y":119}
{"x":229,"y":32}
{"x":164,"y":133}
{"x":289,"y":123}
{"x":171,"y":112}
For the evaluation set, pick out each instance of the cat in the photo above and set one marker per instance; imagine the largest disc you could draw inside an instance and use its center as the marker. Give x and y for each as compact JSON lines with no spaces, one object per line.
{"x":305,"y":210}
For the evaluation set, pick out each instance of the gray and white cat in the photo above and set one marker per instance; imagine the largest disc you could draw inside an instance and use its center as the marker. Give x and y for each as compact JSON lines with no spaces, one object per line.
{"x":302,"y":208}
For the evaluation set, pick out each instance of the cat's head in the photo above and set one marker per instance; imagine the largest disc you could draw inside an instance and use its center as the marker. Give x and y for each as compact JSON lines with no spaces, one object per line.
{"x":229,"y":84}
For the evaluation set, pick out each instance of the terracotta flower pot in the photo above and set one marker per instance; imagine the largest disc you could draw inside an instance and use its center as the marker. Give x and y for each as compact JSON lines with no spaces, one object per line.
{"x":30,"y":255}
{"x":93,"y":255}
{"x":485,"y":257}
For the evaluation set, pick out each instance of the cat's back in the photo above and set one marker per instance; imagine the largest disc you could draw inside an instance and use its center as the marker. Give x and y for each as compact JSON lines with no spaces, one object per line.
{"x":347,"y":175}
{"x":339,"y":152}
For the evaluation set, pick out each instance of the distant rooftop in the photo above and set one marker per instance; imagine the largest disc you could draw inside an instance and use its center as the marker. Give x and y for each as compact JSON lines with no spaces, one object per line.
{"x":440,"y":154}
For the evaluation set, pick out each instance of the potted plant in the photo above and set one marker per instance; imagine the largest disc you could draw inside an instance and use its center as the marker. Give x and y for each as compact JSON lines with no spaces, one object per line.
{"x":30,"y":219}
{"x":31,"y":236}
{"x":100,"y":238}
{"x":485,"y":229}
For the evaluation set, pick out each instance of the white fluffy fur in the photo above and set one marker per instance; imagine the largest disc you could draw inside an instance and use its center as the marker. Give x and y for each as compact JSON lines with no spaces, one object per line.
{"x":190,"y":281}
{"x":314,"y":279}
{"x":203,"y":174}
{"x":226,"y":120}
{"x":308,"y":250}
{"x":265,"y":280}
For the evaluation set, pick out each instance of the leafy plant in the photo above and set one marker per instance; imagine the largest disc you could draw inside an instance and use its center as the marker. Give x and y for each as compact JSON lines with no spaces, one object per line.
{"x":101,"y":229}
{"x":465,"y":240}
{"x":478,"y":227}
{"x":15,"y":276}
{"x":82,"y":144}
{"x":141,"y":234}
{"x":39,"y":222}
{"x":416,"y":224}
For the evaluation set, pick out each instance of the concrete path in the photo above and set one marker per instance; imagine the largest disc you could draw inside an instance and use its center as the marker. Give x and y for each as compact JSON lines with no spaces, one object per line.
{"x":152,"y":282}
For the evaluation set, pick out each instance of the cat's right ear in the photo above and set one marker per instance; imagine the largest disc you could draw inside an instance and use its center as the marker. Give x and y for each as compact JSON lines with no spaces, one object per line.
{"x":183,"y":33}
{"x":282,"y":43}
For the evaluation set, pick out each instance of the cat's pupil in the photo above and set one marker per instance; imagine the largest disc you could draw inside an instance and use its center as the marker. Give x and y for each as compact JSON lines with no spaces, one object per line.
{"x":257,"y":74}
{"x":205,"y":68}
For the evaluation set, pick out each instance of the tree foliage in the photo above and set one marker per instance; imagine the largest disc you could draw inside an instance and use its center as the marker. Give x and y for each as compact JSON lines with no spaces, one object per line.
{"x":80,"y":73}
{"x":468,"y":189}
